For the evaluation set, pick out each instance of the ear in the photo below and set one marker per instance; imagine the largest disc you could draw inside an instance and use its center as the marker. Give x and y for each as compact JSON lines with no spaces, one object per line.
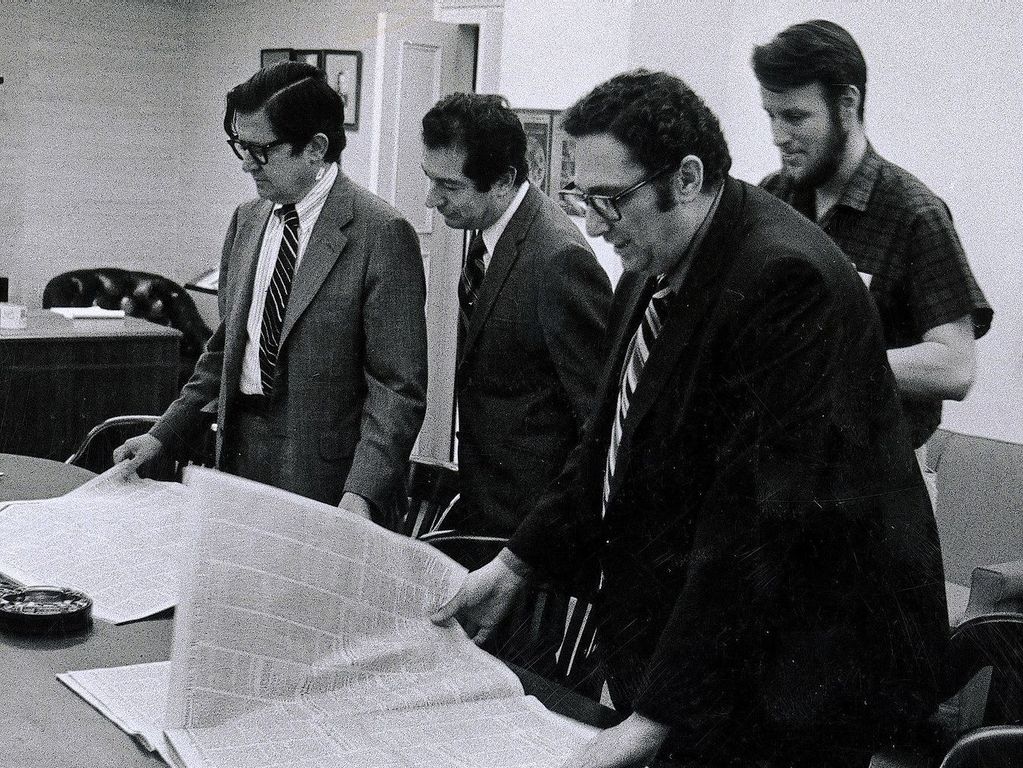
{"x":505,"y":183}
{"x":849,"y":104}
{"x":688,"y":179}
{"x":317,"y":148}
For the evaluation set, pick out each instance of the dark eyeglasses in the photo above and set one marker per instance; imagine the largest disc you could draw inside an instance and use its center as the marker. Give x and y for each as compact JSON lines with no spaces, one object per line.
{"x":606,"y":205}
{"x":258,"y":152}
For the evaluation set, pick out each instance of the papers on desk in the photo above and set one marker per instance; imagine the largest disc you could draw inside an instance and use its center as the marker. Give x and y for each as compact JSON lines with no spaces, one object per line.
{"x":89,"y":313}
{"x":116,"y":539}
{"x":302,"y":639}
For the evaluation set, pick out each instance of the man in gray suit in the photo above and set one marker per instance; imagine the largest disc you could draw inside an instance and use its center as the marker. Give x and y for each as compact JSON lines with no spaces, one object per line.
{"x":533,"y":303}
{"x":318,"y":368}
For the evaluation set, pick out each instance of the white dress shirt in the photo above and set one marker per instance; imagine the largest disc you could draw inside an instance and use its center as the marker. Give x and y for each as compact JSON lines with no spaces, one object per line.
{"x":308,"y":209}
{"x":493,"y":233}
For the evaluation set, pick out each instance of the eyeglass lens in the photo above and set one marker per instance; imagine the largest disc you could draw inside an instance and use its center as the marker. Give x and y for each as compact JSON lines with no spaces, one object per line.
{"x":258,"y":152}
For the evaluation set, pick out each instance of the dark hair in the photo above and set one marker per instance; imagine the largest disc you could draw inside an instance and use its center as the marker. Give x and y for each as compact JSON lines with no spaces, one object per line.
{"x":658,"y":117}
{"x":485,"y":127}
{"x":814,"y":51}
{"x":298,"y":103}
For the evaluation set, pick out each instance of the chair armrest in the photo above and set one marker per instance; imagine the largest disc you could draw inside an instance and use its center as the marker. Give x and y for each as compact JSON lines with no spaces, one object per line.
{"x":996,"y":589}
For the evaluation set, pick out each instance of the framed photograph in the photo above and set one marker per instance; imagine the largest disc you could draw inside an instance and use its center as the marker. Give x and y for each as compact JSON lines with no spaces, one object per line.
{"x":563,"y":162}
{"x":270,"y":56}
{"x":308,"y":57}
{"x":344,"y":74}
{"x":537,"y":124}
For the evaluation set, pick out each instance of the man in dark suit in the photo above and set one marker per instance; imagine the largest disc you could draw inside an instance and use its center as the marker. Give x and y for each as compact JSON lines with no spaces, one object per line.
{"x":318,"y":367}
{"x":772,"y":589}
{"x":533,"y":303}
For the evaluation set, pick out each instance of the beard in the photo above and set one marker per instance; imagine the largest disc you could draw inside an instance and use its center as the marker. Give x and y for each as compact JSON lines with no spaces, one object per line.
{"x":829,"y":161}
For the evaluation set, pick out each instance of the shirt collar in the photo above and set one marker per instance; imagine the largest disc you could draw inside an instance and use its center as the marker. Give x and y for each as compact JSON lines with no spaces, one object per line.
{"x":493,"y":233}
{"x":860,"y":186}
{"x":674,"y":277}
{"x":316,"y":195}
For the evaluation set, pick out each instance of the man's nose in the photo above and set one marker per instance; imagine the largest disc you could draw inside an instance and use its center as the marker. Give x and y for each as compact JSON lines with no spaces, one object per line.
{"x":779,"y":133}
{"x":248,"y":164}
{"x":433,"y":197}
{"x":596,"y":225}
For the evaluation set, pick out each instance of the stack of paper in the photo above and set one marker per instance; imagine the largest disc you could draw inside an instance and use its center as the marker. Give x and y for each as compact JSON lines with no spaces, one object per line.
{"x":89,"y":313}
{"x":302,"y":640}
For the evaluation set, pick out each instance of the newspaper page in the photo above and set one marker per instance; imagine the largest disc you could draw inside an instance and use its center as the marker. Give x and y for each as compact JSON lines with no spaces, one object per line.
{"x":302,"y":639}
{"x":133,"y":698}
{"x":116,"y":538}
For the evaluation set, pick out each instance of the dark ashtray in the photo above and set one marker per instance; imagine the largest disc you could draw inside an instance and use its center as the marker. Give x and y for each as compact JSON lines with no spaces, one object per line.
{"x":45,"y":610}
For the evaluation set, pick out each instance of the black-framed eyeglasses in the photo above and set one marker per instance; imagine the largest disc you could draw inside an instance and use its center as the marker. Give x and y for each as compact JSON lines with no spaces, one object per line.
{"x":260,"y":153}
{"x":606,"y":205}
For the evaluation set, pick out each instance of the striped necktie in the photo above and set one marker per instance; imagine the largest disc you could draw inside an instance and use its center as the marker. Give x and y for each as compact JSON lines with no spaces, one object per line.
{"x":636,"y":356}
{"x":277,"y":298}
{"x":472,"y":277}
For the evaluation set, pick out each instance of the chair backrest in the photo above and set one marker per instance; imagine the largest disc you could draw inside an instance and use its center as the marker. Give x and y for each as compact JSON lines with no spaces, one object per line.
{"x":140,"y":294}
{"x":96,"y":451}
{"x":549,"y":622}
{"x":432,"y":490}
{"x":999,"y":746}
{"x":992,"y":641}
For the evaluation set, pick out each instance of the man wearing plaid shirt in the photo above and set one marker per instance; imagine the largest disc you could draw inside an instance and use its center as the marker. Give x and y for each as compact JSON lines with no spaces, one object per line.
{"x":898,"y":233}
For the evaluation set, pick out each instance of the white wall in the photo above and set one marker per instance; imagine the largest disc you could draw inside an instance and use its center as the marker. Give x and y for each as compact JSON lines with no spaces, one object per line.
{"x":113,"y":150}
{"x":553,"y":51}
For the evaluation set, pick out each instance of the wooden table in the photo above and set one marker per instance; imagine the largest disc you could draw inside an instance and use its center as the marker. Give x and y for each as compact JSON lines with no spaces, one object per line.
{"x":28,"y":477}
{"x":59,"y":378}
{"x":43,"y":723}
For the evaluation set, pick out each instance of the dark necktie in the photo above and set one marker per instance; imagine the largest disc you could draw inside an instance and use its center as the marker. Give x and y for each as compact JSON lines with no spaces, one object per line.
{"x":472,"y":277}
{"x":635,"y":358}
{"x":277,"y":298}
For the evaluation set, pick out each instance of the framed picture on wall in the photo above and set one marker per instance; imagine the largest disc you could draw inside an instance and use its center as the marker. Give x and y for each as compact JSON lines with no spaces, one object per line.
{"x":538,"y":124}
{"x":270,"y":56}
{"x":563,"y":162}
{"x":344,"y":74}
{"x":308,"y":57}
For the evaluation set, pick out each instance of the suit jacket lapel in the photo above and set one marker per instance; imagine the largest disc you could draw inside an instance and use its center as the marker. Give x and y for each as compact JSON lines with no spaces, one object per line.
{"x":248,"y":240}
{"x":678,"y":344}
{"x":506,"y":253}
{"x":325,"y":245}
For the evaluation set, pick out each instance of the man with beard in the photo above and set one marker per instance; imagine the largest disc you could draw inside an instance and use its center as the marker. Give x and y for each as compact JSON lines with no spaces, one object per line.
{"x":898,"y":234}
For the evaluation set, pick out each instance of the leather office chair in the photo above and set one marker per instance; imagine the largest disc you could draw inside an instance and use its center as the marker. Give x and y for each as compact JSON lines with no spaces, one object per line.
{"x":548,"y":617}
{"x":982,"y":722}
{"x":997,"y":746}
{"x":140,"y":294}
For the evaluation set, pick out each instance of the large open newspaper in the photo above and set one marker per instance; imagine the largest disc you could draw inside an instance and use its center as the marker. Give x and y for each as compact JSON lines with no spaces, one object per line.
{"x":116,"y":538}
{"x":302,"y":639}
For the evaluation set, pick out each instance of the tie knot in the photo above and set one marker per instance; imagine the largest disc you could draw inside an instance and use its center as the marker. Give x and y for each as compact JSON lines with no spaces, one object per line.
{"x":288,"y":215}
{"x":476,"y":246}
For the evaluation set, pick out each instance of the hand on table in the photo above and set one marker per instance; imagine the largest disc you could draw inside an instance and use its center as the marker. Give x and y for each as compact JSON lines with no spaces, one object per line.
{"x":484,"y":598}
{"x":354,"y":503}
{"x":135,"y":452}
{"x":633,"y":743}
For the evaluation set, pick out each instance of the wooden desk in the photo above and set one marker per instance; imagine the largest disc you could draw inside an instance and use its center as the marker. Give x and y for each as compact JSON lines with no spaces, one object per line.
{"x":59,"y":378}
